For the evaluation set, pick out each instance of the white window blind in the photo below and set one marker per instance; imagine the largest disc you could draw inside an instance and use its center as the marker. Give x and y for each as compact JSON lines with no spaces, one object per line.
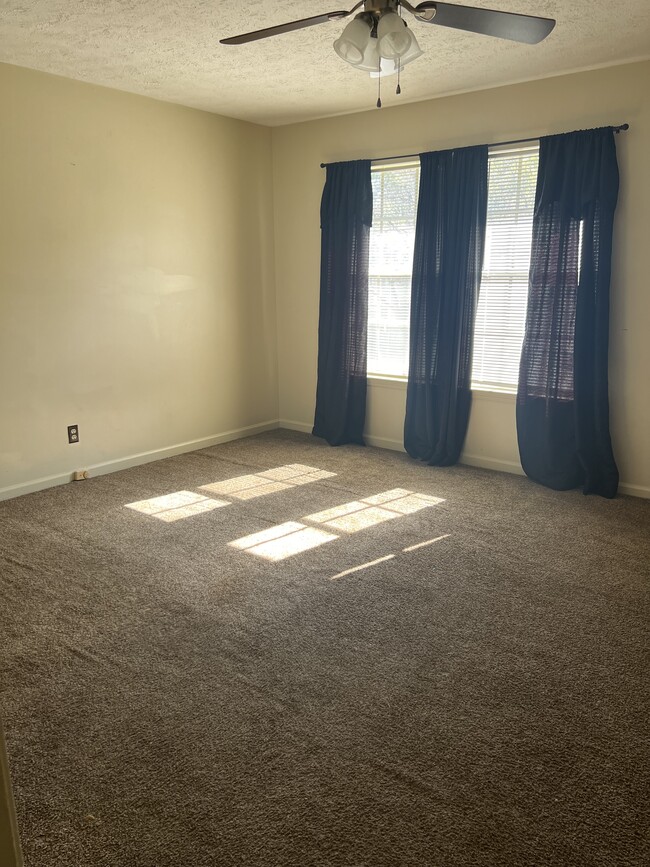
{"x":392,"y":237}
{"x":501,"y":312}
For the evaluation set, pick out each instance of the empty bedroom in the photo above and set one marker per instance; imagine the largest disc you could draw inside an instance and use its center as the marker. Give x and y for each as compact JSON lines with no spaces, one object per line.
{"x":325,"y":434}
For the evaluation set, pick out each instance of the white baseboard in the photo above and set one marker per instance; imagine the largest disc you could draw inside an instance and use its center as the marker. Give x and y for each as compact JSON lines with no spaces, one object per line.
{"x":634,"y":490}
{"x":301,"y":426}
{"x":484,"y":463}
{"x":384,"y":443}
{"x":512,"y":467}
{"x":469,"y":460}
{"x":479,"y":461}
{"x":378,"y":442}
{"x":135,"y":460}
{"x":398,"y":446}
{"x":251,"y":430}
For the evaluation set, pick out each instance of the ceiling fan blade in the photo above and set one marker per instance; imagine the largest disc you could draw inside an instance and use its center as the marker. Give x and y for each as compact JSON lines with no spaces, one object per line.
{"x":506,"y":25}
{"x":283,"y":28}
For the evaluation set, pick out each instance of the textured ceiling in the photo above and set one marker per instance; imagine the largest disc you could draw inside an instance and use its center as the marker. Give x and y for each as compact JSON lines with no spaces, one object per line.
{"x":169,"y":49}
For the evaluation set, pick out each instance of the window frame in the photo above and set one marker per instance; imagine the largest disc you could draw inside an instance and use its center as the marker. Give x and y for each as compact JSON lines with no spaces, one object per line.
{"x":507,"y":392}
{"x":383,"y":165}
{"x":494,"y":151}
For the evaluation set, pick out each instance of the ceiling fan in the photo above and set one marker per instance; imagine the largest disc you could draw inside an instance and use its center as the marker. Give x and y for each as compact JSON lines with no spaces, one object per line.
{"x":506,"y":25}
{"x":379,"y":41}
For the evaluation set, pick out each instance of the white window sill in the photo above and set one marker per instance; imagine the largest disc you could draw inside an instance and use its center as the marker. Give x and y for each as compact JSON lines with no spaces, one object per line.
{"x":375,"y":380}
{"x":494,"y":396}
{"x":399,"y":383}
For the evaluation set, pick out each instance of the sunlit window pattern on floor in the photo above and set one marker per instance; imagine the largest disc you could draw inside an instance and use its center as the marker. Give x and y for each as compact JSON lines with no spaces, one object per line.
{"x":363,"y":566}
{"x":425,"y":544}
{"x":268,"y":482}
{"x":174,"y":507}
{"x":293,"y":537}
{"x":361,"y":514}
{"x":283,"y":540}
{"x":379,"y":560}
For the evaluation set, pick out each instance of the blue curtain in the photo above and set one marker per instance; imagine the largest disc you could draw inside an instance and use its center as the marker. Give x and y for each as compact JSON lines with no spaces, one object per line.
{"x":448,"y":259}
{"x":346,"y":217}
{"x":562,"y":401}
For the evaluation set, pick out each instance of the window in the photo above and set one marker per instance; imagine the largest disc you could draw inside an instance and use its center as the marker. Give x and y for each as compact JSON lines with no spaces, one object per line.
{"x":501,"y":313}
{"x":392,"y":238}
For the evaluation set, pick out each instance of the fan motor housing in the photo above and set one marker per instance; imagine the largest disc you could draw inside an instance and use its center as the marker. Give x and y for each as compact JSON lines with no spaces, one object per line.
{"x":380,"y":5}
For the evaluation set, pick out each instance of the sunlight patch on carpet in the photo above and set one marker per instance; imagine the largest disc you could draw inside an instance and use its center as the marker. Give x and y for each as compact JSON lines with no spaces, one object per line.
{"x":361,"y":520}
{"x":176,"y":506}
{"x":294,"y":537}
{"x":363,"y":566}
{"x":282,"y":541}
{"x":359,"y":515}
{"x":267,"y":482}
{"x":389,"y":557}
{"x":260,"y":491}
{"x":336,"y":512}
{"x":266,"y":535}
{"x":386,"y":496}
{"x":425,"y":544}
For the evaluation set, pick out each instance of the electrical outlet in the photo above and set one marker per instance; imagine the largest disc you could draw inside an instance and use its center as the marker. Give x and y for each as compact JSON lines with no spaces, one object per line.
{"x":73,"y":433}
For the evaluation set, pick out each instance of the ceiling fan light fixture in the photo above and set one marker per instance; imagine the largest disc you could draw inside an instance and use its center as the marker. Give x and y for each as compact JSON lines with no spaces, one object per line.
{"x":353,"y":42}
{"x":393,"y":36}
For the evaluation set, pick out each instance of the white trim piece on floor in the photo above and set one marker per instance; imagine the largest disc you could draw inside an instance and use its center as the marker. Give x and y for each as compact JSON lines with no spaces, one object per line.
{"x":141,"y":458}
{"x":9,"y":837}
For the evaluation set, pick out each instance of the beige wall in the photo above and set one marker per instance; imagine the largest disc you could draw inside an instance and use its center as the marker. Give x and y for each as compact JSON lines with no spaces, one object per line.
{"x":138,"y":242}
{"x":136,"y":276}
{"x":597,"y":98}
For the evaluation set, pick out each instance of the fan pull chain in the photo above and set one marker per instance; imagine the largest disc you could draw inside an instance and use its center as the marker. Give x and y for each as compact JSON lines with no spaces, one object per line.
{"x":398,"y":89}
{"x":379,"y":82}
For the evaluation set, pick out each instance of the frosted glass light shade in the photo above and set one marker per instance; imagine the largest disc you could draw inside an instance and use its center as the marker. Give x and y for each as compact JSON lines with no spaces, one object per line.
{"x":393,"y":36}
{"x":352,"y":43}
{"x":389,"y":66}
{"x":414,"y":51}
{"x":370,"y":61}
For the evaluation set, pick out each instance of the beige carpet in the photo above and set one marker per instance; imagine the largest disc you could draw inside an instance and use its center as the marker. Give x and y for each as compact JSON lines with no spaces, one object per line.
{"x":173,"y":700}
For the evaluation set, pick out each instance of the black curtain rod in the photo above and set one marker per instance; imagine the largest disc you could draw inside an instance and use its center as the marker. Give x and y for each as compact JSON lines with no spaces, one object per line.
{"x":620,"y":128}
